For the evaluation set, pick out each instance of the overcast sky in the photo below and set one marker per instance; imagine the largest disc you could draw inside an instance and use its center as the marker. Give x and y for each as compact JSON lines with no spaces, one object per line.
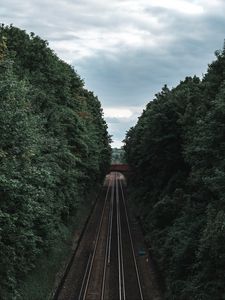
{"x":125,"y":50}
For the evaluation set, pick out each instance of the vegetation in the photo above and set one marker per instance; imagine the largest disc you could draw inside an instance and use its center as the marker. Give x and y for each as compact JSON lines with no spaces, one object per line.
{"x":118,"y":156}
{"x":177,"y":151}
{"x":54,"y":151}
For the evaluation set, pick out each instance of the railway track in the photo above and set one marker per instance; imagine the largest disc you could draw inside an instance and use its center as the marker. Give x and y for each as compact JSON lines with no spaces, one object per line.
{"x":111,"y":270}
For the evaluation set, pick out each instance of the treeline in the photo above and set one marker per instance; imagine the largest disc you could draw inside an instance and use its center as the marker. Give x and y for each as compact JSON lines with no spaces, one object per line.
{"x":177,"y":153}
{"x":54,"y":150}
{"x":118,"y":156}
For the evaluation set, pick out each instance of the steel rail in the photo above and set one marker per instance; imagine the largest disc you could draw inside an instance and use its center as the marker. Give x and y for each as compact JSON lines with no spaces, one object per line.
{"x":122,"y":293}
{"x":108,"y":244}
{"x":118,"y":243}
{"x":87,"y":276}
{"x":121,"y":252}
{"x":132,"y":245}
{"x":111,"y":224}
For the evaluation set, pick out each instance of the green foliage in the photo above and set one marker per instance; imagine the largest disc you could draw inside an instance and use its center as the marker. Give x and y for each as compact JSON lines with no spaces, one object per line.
{"x":177,"y":153}
{"x":118,"y":156}
{"x":54,"y":150}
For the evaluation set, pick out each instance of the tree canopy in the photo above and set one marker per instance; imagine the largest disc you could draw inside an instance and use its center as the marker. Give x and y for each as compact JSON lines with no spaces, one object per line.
{"x":176,"y":151}
{"x":54,"y":150}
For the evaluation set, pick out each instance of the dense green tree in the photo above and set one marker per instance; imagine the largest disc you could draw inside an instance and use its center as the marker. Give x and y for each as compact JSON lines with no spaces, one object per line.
{"x":54,"y":151}
{"x":176,"y":151}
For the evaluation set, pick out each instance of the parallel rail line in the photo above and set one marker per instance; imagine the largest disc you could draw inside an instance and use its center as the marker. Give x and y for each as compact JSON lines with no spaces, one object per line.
{"x":122,"y":290}
{"x":114,"y":234}
{"x":115,"y":204}
{"x":132,"y":245}
{"x":108,"y":244}
{"x":87,"y":275}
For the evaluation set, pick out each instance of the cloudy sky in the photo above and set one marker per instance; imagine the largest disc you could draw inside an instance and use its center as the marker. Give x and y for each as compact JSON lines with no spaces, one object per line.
{"x":125,"y":50}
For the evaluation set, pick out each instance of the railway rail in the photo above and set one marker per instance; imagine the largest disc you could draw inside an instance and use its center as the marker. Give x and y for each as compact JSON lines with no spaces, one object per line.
{"x":111,"y":270}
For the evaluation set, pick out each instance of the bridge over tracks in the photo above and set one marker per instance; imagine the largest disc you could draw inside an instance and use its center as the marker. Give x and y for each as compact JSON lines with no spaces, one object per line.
{"x":121,"y":168}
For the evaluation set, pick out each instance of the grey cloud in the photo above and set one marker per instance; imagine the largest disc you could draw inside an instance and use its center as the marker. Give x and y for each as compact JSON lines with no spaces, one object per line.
{"x":123,"y":72}
{"x":113,"y":120}
{"x":133,"y":79}
{"x":118,"y":131}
